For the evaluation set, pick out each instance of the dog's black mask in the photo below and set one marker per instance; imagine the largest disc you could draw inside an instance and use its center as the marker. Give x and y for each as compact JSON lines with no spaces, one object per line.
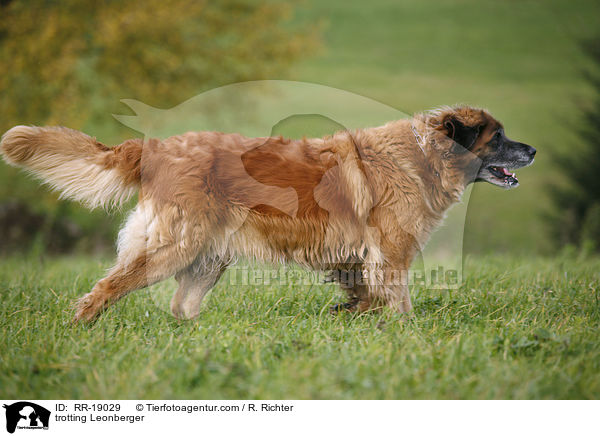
{"x":495,"y":152}
{"x":499,"y":155}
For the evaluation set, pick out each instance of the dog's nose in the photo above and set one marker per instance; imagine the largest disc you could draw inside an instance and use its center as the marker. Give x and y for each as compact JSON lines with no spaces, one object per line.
{"x":531,"y":150}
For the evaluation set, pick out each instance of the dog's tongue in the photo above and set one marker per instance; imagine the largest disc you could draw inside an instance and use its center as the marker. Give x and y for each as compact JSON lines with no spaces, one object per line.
{"x":507,"y":173}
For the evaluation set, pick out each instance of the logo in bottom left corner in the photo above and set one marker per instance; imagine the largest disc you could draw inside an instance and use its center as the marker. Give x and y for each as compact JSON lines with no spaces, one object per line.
{"x":25,"y":415}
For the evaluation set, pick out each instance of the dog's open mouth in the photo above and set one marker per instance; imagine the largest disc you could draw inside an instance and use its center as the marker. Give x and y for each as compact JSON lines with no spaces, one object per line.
{"x":504,"y":175}
{"x":501,"y":176}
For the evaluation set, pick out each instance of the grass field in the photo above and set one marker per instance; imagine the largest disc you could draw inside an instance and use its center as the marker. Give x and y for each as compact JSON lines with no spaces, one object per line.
{"x":517,"y":328}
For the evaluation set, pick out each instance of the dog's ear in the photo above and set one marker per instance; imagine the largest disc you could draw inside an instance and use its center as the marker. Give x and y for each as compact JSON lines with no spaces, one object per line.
{"x":466,"y":136}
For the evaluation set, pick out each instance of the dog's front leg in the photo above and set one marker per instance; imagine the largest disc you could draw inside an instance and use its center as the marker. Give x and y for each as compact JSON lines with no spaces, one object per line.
{"x":388,"y":287}
{"x":350,"y":278}
{"x":398,"y":298}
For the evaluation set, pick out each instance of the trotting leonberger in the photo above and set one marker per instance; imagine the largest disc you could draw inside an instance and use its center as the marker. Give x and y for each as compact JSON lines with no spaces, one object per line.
{"x":364,"y":201}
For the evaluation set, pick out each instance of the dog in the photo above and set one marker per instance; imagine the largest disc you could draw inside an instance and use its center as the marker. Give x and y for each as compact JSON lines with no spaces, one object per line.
{"x":362,"y":201}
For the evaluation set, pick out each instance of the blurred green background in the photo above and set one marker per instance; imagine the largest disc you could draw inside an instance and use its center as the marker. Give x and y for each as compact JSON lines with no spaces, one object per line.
{"x":70,"y":63}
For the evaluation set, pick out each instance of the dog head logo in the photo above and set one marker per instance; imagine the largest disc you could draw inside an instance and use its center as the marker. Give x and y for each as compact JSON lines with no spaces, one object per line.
{"x":26,"y":415}
{"x":254,"y":109}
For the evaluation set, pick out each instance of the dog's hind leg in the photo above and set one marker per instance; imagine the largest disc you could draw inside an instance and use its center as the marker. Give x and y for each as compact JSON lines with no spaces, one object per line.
{"x":149,"y":251}
{"x":194,"y":283}
{"x":124,"y":278}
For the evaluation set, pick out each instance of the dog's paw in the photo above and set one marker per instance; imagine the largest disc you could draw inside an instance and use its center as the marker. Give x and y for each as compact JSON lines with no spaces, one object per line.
{"x":87,"y":308}
{"x":343,"y":307}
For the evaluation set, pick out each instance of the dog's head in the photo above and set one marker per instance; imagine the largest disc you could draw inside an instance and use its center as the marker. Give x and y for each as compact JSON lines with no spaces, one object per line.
{"x":475,"y":142}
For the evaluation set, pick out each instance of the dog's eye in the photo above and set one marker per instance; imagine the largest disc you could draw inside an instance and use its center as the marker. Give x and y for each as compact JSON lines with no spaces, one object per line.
{"x":498,"y":135}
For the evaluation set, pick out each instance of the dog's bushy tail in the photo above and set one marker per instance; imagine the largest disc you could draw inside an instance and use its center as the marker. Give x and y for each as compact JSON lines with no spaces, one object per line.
{"x":75,"y":163}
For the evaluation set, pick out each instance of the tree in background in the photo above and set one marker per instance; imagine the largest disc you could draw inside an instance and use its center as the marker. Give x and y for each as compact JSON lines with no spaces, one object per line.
{"x":65,"y":61}
{"x":577,"y":220}
{"x":70,"y":62}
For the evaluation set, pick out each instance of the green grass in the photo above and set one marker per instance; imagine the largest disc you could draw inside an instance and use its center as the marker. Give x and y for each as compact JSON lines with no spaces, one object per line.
{"x":517,"y":328}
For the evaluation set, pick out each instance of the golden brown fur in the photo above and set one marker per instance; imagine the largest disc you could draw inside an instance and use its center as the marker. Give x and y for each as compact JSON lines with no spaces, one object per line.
{"x":364,"y":200}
